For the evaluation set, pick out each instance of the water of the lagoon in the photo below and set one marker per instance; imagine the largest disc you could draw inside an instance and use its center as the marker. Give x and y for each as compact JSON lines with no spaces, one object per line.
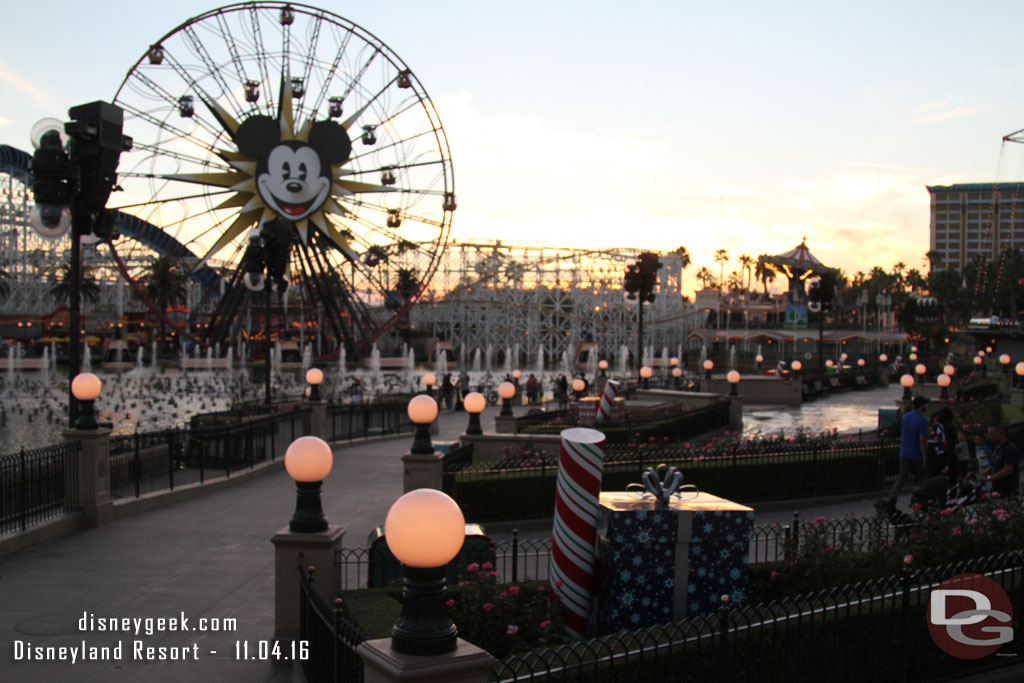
{"x":849,"y":412}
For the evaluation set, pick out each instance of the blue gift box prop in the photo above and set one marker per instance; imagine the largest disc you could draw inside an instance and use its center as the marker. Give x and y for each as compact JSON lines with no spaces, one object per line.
{"x":662,"y":564}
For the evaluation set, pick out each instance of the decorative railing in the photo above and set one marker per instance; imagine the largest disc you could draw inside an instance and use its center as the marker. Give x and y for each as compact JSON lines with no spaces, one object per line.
{"x":346,"y":422}
{"x":38,"y":485}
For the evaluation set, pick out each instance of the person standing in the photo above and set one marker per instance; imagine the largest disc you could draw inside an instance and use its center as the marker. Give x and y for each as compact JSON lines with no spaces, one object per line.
{"x":913,"y":448}
{"x":1004,"y":473}
{"x":531,"y":390}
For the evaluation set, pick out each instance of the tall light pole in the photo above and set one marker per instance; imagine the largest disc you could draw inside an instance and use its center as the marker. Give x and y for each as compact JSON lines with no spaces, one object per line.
{"x":71,"y":186}
{"x":640,"y":280}
{"x":265,"y":266}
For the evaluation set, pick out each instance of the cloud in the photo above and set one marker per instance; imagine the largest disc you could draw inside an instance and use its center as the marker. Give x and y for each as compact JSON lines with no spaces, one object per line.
{"x":725,"y":192}
{"x":944,"y":110}
{"x":801,"y":185}
{"x":4,"y":121}
{"x":9,"y":76}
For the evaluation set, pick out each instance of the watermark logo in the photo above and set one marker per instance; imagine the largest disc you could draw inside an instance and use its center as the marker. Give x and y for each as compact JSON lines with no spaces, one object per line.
{"x":970,"y":616}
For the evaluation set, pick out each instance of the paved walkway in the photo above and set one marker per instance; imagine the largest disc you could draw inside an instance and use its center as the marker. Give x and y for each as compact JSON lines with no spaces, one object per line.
{"x":209,"y":557}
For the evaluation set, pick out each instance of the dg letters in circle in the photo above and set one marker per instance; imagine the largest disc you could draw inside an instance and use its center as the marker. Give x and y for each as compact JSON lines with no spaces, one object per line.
{"x":969,"y":616}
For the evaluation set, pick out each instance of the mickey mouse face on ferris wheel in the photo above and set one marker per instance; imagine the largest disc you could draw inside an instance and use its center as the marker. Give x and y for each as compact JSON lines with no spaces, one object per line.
{"x":293,"y":177}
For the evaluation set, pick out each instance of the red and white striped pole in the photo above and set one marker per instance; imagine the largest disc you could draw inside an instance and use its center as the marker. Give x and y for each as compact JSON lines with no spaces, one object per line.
{"x":604,"y":409}
{"x":580,"y":464}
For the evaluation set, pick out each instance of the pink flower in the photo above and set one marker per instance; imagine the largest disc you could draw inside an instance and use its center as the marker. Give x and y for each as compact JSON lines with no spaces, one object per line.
{"x":545,"y":624}
{"x":472,"y":567}
{"x":450,"y":603}
{"x":947,"y":511}
{"x":487,"y":565}
{"x":651,"y":439}
{"x":488,"y":607}
{"x":514,"y":590}
{"x":819,"y":520}
{"x":915,"y":507}
{"x":907,"y":559}
{"x":512,"y":630}
{"x":956,"y":531}
{"x":773,"y":576}
{"x":995,"y":494}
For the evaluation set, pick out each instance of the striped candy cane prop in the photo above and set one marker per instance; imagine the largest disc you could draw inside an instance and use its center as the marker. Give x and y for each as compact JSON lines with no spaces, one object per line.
{"x":580,"y":463}
{"x":604,"y":410}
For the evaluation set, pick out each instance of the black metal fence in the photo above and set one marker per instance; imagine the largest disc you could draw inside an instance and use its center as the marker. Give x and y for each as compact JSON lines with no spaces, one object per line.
{"x":360,"y":420}
{"x":330,"y":637}
{"x":525,"y":559}
{"x":874,"y":630}
{"x":155,"y":461}
{"x":38,"y":485}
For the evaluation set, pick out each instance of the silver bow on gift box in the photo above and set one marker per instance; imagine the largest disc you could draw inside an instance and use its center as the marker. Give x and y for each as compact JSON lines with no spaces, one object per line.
{"x":663,"y":483}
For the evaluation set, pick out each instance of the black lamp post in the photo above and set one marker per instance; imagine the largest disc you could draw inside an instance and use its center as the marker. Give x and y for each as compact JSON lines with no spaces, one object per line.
{"x":474,"y":404}
{"x":506,"y":390}
{"x":266,"y":268}
{"x":422,"y":410}
{"x":71,"y":187}
{"x":425,"y":530}
{"x":640,"y":280}
{"x":314,"y":376}
{"x":86,"y":387}
{"x":308,"y":461}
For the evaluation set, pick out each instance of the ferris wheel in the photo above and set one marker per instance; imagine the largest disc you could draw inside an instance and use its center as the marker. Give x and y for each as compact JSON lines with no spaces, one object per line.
{"x":286,"y":126}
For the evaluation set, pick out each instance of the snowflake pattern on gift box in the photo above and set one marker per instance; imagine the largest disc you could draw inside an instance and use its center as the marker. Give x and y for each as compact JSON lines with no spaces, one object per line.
{"x":719,"y":555}
{"x":639,"y":584}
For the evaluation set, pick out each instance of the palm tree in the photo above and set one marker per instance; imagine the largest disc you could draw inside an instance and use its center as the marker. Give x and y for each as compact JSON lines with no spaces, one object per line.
{"x":684,"y":262}
{"x":735,"y":281}
{"x":764,"y":275}
{"x":60,"y":284}
{"x":934,"y":260}
{"x":705,"y":277}
{"x":747,"y":264}
{"x":166,"y":285}
{"x":721,"y":256}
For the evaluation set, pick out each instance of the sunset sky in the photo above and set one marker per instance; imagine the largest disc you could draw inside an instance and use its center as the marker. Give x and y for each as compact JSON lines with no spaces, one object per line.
{"x":743,"y":125}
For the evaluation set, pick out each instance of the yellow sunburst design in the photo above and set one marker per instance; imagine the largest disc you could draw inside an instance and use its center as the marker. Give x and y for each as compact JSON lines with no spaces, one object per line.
{"x":253,"y":209}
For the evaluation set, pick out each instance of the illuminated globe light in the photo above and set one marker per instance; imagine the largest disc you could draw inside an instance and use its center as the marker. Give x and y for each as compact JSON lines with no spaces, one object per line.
{"x":578,"y":385}
{"x":1020,"y":369}
{"x":944,"y":380}
{"x":85,"y":387}
{"x":861,"y":362}
{"x":796,"y":365}
{"x":602,"y":364}
{"x":733,"y":378}
{"x":843,"y":356}
{"x":907,"y":381}
{"x":314,"y":376}
{"x":978,"y":360}
{"x":883,"y":358}
{"x":948,"y":370}
{"x":474,"y":403}
{"x":981,"y":354}
{"x":506,"y":390}
{"x":678,"y":372}
{"x":429,"y":379}
{"x":673,"y":361}
{"x":308,"y":461}
{"x":913,"y":349}
{"x":709,"y":364}
{"x":422,"y":410}
{"x":645,"y":372}
{"x":988,"y":349}
{"x":759,"y":358}
{"x":425,"y":530}
{"x":516,"y":374}
{"x":829,"y":363}
{"x":913,"y":357}
{"x":1004,"y":359}
{"x":920,"y":368}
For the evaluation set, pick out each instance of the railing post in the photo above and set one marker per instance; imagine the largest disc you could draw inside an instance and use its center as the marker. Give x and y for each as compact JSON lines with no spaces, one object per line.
{"x":796,"y":530}
{"x":905,"y":627}
{"x":24,"y":489}
{"x":172,"y":451}
{"x":137,"y":458}
{"x":515,"y":555}
{"x":723,"y":641}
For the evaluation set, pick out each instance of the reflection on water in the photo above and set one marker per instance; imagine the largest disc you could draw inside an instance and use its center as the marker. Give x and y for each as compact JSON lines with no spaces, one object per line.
{"x":848,"y":411}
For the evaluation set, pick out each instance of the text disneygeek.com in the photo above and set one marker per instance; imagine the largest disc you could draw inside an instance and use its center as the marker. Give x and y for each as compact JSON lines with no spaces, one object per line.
{"x":136,"y":649}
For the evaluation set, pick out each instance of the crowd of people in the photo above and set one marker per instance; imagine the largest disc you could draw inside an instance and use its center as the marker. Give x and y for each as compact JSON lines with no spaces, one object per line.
{"x":952,"y":459}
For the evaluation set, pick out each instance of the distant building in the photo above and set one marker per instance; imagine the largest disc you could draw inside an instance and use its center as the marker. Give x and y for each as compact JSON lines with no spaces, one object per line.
{"x":975,"y":219}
